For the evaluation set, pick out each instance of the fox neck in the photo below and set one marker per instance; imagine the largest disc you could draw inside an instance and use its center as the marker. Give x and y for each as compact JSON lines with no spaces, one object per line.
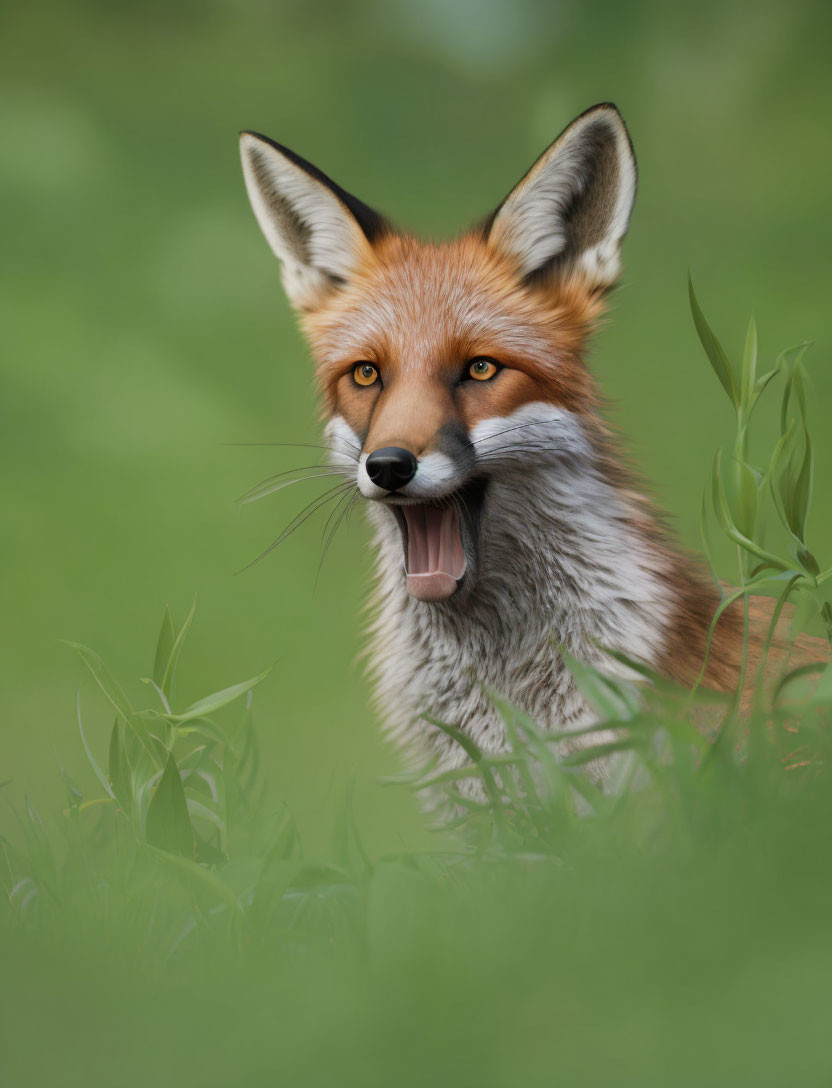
{"x":566,"y":559}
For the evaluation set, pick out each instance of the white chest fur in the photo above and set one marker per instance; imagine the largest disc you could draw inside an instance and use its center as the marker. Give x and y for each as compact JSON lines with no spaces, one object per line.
{"x":561,"y":564}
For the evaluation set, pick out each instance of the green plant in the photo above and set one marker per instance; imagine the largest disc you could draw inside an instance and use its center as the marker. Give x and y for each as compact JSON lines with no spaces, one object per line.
{"x":741,"y":493}
{"x":182,"y":799}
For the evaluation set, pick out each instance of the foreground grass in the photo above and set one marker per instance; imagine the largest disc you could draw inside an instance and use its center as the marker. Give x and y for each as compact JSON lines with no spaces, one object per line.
{"x":671,"y":930}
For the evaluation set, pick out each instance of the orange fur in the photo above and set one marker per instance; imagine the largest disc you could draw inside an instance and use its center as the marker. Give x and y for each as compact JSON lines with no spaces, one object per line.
{"x":419,"y":311}
{"x":548,"y":533}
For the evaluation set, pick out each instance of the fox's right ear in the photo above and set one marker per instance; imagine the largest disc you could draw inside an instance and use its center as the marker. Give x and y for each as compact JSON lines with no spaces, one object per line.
{"x":571,"y":210}
{"x":319,"y":233}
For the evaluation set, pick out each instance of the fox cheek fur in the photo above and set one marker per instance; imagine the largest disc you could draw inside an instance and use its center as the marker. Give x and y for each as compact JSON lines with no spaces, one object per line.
{"x":506,"y":525}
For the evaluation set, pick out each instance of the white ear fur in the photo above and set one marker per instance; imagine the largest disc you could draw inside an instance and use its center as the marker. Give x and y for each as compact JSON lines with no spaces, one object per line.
{"x":574,"y":205}
{"x":305,"y":218}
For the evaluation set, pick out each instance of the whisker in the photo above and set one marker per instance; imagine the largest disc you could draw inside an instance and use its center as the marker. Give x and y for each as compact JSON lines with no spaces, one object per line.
{"x":298,"y":446}
{"x":459,"y":498}
{"x":351,"y":507}
{"x":490,"y":455}
{"x":278,"y":482}
{"x":326,"y":541}
{"x":299,"y":519}
{"x":521,"y":426}
{"x":332,"y":514}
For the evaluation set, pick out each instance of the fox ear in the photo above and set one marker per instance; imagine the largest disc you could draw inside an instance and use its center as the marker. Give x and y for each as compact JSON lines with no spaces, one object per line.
{"x":318,"y":232}
{"x":572,"y":208}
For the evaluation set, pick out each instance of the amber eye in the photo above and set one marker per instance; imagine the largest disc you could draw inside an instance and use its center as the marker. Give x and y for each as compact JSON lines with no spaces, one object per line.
{"x":482,"y":369}
{"x":365,"y":374}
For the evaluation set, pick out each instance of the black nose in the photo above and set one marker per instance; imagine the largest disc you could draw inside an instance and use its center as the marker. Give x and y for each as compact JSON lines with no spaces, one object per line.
{"x":391,"y":467}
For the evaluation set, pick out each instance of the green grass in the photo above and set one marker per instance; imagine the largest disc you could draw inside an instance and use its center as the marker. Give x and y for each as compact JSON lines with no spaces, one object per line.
{"x":670,"y":929}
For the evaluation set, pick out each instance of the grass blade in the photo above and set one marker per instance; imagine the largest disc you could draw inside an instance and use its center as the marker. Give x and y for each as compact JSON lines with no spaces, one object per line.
{"x":168,"y":825}
{"x":713,"y":349}
{"x":164,"y":646}
{"x":212,"y":703}
{"x":176,"y":650}
{"x":115,"y":695}
{"x":96,"y":770}
{"x":749,"y":366}
{"x":118,"y":766}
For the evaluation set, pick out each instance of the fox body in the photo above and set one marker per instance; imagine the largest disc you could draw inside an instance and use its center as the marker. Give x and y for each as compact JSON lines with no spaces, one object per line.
{"x":507,"y":525}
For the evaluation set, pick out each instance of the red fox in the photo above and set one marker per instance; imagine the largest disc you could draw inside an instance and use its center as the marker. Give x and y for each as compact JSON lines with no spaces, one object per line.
{"x":507,"y":524}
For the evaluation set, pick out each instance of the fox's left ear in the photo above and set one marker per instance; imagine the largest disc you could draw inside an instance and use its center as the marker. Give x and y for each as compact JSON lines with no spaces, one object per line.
{"x":572,"y":208}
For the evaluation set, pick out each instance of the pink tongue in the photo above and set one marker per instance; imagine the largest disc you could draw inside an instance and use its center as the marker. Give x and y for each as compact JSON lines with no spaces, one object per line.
{"x":435,"y":558}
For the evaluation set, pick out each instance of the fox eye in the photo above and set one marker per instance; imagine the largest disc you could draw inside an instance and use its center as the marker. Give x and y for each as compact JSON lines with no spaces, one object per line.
{"x":365,"y":374}
{"x":482,"y":369}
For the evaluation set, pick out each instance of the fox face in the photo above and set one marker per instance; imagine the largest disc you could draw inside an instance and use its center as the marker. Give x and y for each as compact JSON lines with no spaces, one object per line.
{"x":447,"y":370}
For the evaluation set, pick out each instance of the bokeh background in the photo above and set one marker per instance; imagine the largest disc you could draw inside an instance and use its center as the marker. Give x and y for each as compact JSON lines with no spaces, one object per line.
{"x":143,"y":327}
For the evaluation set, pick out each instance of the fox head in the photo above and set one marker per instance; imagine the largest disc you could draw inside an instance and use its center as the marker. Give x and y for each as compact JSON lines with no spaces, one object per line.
{"x":448,"y":370}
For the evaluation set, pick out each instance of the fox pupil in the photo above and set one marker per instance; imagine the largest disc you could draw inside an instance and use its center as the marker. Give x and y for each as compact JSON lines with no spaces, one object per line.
{"x":365,"y":373}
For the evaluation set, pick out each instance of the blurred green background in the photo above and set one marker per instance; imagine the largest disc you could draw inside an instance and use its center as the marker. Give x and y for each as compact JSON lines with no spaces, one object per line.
{"x":143,"y":326}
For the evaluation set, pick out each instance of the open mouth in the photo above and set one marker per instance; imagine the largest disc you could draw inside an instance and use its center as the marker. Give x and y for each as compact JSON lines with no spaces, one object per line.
{"x":440,"y":541}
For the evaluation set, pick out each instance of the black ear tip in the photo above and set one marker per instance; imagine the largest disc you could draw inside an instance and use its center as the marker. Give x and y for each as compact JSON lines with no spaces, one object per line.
{"x":608,"y":108}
